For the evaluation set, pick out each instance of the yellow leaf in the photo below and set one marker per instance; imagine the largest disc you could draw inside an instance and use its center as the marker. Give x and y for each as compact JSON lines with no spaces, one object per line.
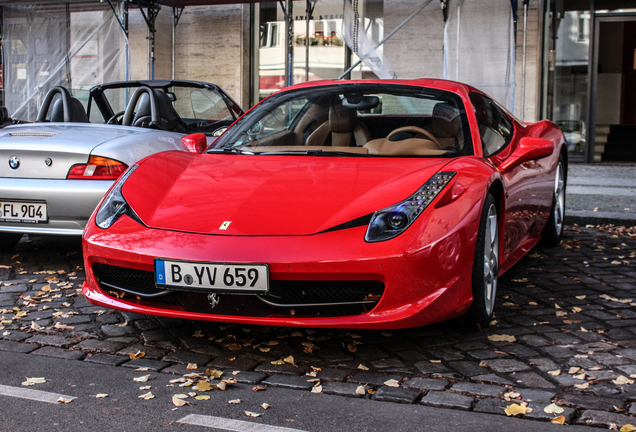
{"x":515,"y":410}
{"x":553,"y":409}
{"x":628,"y":428}
{"x":554,"y":372}
{"x":146,"y":396}
{"x":137,"y":355}
{"x":203,"y":386}
{"x":221,"y":385}
{"x":64,"y":400}
{"x":392,"y":383}
{"x":264,"y":349}
{"x":360,"y":390}
{"x":435,"y":361}
{"x":278,"y":362}
{"x":252,"y":414}
{"x":574,"y":370}
{"x":558,"y":420}
{"x":363,"y":367}
{"x":143,"y":378}
{"x":582,"y":386}
{"x":192,"y":366}
{"x":202,"y":397}
{"x":214,"y":372}
{"x":234,"y":347}
{"x":290,"y":360}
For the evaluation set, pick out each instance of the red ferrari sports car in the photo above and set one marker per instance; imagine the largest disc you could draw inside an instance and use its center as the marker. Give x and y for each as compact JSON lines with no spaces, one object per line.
{"x":353,"y":204}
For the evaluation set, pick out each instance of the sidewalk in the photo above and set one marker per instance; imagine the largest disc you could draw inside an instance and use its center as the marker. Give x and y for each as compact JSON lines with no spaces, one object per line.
{"x":601,"y":194}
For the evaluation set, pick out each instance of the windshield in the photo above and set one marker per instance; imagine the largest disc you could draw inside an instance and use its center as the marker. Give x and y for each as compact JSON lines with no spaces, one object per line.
{"x":354,"y":119}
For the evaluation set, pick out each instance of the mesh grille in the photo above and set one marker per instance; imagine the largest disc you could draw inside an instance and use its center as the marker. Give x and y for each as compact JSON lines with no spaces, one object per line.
{"x":302,"y":292}
{"x":135,"y":280}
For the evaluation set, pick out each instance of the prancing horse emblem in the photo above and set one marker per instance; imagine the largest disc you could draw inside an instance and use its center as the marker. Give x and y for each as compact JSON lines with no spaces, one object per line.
{"x":213,"y":300}
{"x":225,"y":225}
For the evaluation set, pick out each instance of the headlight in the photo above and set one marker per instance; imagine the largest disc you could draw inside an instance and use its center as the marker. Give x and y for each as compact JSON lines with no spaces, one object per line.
{"x":114,"y":205}
{"x":393,"y":221}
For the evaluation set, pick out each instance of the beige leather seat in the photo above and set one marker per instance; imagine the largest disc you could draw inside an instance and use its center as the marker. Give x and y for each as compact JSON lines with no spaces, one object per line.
{"x":343,"y":126}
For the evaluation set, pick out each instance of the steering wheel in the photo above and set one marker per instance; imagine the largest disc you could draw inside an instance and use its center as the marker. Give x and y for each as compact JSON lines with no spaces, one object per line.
{"x":114,"y":120}
{"x":417,"y":130}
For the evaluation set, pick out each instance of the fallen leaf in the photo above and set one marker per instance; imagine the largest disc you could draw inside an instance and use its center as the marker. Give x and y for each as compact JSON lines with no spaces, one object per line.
{"x":573,"y":370}
{"x":581,"y":297}
{"x":392,"y":383}
{"x":511,"y":395}
{"x":363,"y":367}
{"x":558,"y":420}
{"x":143,"y":378}
{"x":360,"y":390}
{"x":257,"y":388}
{"x":515,"y":410}
{"x":628,"y":428}
{"x":554,"y":372}
{"x":235,"y":401}
{"x":64,"y":400}
{"x":234,"y":347}
{"x":553,"y":409}
{"x":265,"y":405}
{"x":137,"y":355}
{"x":316,"y":389}
{"x":290,"y":360}
{"x":435,"y":361}
{"x":33,"y":381}
{"x":202,"y":397}
{"x":264,"y":349}
{"x":214,"y":372}
{"x":221,"y":385}
{"x":277,"y":362}
{"x":252,"y":414}
{"x":582,"y":386}
{"x":178,"y":401}
{"x":502,"y":338}
{"x":621,"y":380}
{"x":101,"y":395}
{"x":124,"y":324}
{"x":203,"y":386}
{"x":192,"y":366}
{"x":146,"y":396}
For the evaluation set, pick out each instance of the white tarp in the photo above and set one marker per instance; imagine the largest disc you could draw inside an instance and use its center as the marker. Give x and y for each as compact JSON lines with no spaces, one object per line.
{"x":75,"y":46}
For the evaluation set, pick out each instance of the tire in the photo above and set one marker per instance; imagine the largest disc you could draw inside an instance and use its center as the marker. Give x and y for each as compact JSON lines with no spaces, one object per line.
{"x":9,"y":240}
{"x":485,"y":267}
{"x":554,"y":228}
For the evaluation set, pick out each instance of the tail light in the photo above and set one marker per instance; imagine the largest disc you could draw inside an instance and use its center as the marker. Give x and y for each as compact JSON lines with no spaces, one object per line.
{"x":97,"y":168}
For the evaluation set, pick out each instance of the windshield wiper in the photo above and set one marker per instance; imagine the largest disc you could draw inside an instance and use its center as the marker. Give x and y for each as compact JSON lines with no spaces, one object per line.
{"x":232,"y":150}
{"x":312,"y":153}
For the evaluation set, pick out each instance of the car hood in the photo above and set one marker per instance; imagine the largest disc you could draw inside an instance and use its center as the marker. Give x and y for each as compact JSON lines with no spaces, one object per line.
{"x":63,"y":143}
{"x":268,"y":194}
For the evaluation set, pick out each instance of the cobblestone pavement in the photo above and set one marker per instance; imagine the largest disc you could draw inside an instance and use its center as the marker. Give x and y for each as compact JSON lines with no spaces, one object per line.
{"x":565,"y":332}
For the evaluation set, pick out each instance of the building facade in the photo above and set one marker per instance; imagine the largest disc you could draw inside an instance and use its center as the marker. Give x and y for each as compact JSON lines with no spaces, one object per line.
{"x":571,"y":61}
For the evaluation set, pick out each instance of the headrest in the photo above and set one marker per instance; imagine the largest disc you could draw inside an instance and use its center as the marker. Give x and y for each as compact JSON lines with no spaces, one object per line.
{"x":445,"y":121}
{"x":342,"y":119}
{"x":143,"y":108}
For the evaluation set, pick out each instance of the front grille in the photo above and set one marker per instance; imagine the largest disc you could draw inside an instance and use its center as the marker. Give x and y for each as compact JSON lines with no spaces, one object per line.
{"x":126,"y":279}
{"x":321,"y":292}
{"x":284,"y":299}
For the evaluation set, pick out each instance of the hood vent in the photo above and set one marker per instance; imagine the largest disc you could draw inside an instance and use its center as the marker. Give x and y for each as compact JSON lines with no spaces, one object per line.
{"x":33,"y":134}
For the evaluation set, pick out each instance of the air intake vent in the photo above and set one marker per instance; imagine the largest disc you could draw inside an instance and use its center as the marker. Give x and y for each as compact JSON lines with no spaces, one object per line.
{"x":33,"y":134}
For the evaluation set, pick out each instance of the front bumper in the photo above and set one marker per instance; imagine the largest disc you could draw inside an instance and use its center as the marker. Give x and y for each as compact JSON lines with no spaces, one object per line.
{"x":422,"y":283}
{"x":69,"y":202}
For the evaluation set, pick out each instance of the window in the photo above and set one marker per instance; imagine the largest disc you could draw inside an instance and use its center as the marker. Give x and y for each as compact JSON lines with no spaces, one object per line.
{"x":495,"y":128}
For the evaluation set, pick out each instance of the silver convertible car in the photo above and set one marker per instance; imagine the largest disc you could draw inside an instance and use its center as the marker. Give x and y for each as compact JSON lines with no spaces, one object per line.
{"x":55,"y":171}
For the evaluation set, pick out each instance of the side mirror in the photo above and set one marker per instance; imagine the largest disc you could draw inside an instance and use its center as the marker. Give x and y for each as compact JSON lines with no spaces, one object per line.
{"x":528,"y":149}
{"x":195,"y":143}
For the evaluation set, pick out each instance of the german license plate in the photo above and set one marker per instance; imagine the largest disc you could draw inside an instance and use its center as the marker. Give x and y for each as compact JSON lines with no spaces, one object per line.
{"x":216,"y":277}
{"x":23,"y":212}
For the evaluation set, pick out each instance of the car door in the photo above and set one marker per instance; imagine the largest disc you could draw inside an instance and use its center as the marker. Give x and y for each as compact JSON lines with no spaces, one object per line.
{"x":499,"y":140}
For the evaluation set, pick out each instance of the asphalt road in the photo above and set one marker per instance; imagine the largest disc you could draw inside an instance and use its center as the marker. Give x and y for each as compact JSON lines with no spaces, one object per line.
{"x":123,"y":411}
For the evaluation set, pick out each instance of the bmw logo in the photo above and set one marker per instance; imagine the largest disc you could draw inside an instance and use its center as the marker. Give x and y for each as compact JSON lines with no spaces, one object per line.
{"x":48,"y":161}
{"x":14,"y":162}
